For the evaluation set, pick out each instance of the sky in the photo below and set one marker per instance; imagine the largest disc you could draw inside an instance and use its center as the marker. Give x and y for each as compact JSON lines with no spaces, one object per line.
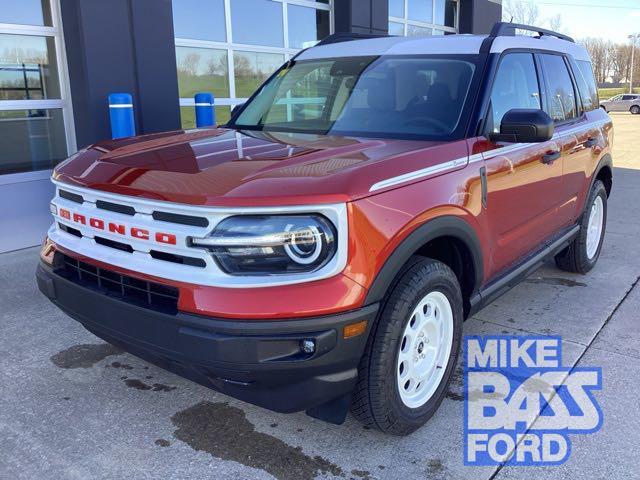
{"x":610,"y":19}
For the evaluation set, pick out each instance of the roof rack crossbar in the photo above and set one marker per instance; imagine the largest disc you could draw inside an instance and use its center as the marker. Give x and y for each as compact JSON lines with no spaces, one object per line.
{"x":506,"y":29}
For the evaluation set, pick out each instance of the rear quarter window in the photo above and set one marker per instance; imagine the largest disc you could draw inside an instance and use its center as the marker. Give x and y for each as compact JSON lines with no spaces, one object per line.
{"x":587,"y":86}
{"x":560,"y":94}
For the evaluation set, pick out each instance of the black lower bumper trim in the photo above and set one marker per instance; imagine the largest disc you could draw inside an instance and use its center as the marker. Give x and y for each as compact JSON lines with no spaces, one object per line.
{"x":260,"y":362}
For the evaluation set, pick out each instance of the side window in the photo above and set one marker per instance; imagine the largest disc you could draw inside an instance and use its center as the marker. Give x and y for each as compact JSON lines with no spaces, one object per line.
{"x":516,"y":86}
{"x":587,"y":86}
{"x":560,"y":94}
{"x":628,"y":97}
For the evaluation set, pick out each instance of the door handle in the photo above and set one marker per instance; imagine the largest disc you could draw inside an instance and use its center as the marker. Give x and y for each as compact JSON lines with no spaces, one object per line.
{"x":551,"y":157}
{"x":592,"y":142}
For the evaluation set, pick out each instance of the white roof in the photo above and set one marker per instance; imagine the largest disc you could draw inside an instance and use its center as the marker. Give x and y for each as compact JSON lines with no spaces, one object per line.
{"x":449,"y":44}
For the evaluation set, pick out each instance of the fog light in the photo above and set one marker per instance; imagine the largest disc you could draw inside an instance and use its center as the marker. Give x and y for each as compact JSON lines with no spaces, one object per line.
{"x":308,"y":346}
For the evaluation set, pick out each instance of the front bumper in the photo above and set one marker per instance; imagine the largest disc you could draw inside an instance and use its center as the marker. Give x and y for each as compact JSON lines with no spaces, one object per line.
{"x":260,"y":362}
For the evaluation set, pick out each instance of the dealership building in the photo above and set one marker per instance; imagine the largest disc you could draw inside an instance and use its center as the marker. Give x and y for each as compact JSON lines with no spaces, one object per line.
{"x":60,"y":59}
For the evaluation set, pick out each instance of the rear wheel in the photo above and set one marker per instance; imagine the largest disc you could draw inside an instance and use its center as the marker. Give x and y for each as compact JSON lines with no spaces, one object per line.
{"x":410,"y":357}
{"x":582,"y":255}
{"x":635,"y":109}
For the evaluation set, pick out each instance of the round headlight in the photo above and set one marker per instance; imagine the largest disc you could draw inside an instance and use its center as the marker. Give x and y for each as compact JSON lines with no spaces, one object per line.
{"x":305,"y":245}
{"x":272,"y":244}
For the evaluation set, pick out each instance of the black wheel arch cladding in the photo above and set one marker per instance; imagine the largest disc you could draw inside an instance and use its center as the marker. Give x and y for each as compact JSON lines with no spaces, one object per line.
{"x":446,"y":226}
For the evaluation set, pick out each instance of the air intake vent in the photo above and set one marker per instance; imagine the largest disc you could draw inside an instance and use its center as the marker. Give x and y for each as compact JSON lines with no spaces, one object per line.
{"x":70,"y":230}
{"x":181,"y":219}
{"x":115,"y":207}
{"x":113,"y":244}
{"x":182,"y":260}
{"x":74,"y":197}
{"x":132,"y":290}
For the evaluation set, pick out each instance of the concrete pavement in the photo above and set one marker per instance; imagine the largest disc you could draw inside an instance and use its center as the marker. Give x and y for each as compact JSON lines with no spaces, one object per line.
{"x":73,"y":407}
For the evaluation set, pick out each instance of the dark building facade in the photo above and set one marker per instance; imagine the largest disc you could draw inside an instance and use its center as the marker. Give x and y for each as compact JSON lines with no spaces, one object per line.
{"x":60,"y":59}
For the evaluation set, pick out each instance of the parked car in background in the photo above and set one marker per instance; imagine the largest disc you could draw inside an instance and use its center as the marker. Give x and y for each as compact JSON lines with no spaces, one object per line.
{"x":629,"y":102}
{"x":323,"y":248}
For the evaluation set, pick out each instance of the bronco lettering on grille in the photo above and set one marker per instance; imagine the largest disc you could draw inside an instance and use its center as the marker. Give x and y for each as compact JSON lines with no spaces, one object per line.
{"x":134,"y":232}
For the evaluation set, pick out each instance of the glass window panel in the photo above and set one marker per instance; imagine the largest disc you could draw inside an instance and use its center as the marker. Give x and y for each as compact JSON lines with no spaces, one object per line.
{"x":396,"y":28}
{"x":560,"y":94}
{"x":188,"y":116}
{"x":375,"y":96}
{"x":202,"y":70}
{"x":26,"y":12}
{"x":305,"y":99}
{"x":420,"y":10}
{"x":396,"y":8}
{"x":253,"y":68}
{"x":446,"y":12}
{"x":199,"y":19}
{"x":31,"y":140}
{"x":414,"y":31}
{"x":257,"y":22}
{"x":587,"y":86}
{"x":306,"y":26}
{"x":28,"y":69}
{"x":515,"y":86}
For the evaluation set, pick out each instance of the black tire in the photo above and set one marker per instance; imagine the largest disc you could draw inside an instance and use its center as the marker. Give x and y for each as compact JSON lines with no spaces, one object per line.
{"x":635,"y":110}
{"x":376,"y":399}
{"x":574,"y":258}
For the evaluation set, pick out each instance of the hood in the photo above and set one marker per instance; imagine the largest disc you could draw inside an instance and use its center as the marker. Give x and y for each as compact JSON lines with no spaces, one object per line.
{"x":223,"y":167}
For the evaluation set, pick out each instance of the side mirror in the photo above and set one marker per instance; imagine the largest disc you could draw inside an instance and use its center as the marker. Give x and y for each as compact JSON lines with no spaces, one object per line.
{"x":524,"y":126}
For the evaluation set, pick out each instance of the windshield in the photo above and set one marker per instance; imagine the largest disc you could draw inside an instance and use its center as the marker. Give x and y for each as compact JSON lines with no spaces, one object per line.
{"x":392,"y":97}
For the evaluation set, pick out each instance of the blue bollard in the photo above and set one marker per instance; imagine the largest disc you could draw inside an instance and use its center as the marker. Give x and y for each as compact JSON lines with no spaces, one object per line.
{"x":205,"y":113}
{"x":121,"y":113}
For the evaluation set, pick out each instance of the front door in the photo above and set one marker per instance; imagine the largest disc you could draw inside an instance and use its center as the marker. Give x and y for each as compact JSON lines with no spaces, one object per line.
{"x":523,"y":181}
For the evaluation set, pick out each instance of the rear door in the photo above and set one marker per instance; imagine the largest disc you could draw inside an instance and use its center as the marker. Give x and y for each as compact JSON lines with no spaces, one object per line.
{"x":572,"y":130}
{"x":581,"y":159}
{"x":523,"y":181}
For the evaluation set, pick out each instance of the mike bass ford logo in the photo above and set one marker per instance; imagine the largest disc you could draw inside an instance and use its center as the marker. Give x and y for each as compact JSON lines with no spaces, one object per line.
{"x":118,"y":228}
{"x":521,"y":405}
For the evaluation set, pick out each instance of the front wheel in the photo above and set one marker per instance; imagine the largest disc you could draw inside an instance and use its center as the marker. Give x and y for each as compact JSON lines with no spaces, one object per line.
{"x":583,"y":253}
{"x":411,"y":355}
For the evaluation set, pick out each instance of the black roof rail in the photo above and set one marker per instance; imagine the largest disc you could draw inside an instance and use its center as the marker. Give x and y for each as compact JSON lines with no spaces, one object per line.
{"x":347,"y":37}
{"x":506,"y":29}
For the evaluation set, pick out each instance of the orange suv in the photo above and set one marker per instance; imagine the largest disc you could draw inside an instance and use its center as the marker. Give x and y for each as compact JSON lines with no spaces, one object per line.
{"x":322,"y":249}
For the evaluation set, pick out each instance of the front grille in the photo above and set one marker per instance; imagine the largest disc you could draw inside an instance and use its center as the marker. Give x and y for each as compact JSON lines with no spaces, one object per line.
{"x":139,"y":292}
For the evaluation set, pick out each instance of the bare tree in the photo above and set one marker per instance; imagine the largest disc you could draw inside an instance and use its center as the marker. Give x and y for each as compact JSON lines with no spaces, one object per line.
{"x":555,"y":23}
{"x":601,"y":52}
{"x":527,"y":12}
{"x":190,"y":64}
{"x":520,"y":11}
{"x":620,"y":63}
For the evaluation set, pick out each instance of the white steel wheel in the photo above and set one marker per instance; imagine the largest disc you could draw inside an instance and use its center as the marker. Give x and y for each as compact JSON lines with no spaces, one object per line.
{"x":595,"y":227}
{"x":424,"y":350}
